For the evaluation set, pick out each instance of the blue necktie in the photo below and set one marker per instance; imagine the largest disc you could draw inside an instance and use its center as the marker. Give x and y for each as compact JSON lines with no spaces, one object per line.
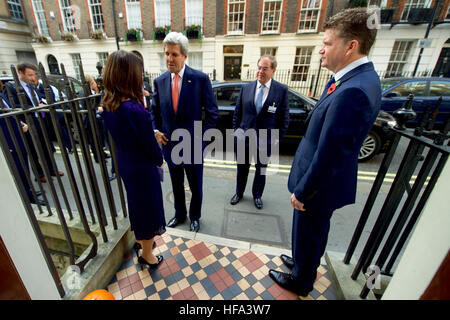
{"x":259,"y":98}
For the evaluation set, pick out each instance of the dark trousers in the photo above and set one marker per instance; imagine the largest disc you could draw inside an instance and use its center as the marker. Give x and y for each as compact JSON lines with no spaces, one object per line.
{"x":309,"y":240}
{"x":243,"y":169}
{"x":259,"y":181}
{"x":33,"y":149}
{"x":194,"y":174}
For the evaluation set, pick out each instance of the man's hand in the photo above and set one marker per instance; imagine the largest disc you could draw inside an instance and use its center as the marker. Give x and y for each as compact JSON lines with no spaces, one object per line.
{"x":24,"y":126}
{"x":161,"y":138}
{"x":297,"y":204}
{"x":146,"y":93}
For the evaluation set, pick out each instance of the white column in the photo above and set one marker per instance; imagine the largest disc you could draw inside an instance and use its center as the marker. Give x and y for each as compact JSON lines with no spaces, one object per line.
{"x":20,"y":240}
{"x":427,"y":247}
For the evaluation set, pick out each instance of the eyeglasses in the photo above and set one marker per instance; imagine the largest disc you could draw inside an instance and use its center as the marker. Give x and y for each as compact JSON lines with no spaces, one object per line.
{"x":263,"y":68}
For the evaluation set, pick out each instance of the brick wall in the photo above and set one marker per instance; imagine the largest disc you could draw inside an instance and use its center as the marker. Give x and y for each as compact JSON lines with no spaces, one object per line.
{"x":253,"y":16}
{"x":220,"y":17}
{"x":209,"y":17}
{"x":291,"y":10}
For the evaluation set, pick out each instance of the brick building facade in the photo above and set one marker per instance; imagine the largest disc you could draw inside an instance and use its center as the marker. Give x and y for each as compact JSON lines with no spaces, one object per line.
{"x":234,"y":33}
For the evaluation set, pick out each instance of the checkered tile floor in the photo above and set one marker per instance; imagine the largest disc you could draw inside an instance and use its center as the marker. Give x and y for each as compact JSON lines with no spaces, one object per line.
{"x":197,"y":270}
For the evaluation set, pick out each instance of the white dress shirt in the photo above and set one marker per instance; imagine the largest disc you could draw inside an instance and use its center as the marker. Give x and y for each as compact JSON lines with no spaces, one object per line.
{"x":266,"y":90}
{"x":28,"y":92}
{"x":350,"y":67}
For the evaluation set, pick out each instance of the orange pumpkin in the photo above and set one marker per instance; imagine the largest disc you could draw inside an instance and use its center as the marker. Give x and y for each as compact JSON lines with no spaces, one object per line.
{"x":99,"y":295}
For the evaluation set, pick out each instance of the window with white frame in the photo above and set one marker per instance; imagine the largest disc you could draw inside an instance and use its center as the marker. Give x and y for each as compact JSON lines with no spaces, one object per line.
{"x":268,"y":51}
{"x":309,"y":15}
{"x":39,"y":14}
{"x":301,"y":63}
{"x":378,"y":3}
{"x":194,"y":12}
{"x":15,"y":9}
{"x":67,"y":16}
{"x":399,"y":57}
{"x":95,"y":8}
{"x":76,"y":62}
{"x":195,"y":60}
{"x":412,"y":4}
{"x":236,"y":16}
{"x":271,"y":16}
{"x":162,"y":13}
{"x":102,"y":56}
{"x":133,"y":8}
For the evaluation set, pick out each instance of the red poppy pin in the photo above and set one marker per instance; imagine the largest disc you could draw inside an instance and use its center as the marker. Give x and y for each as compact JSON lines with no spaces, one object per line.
{"x":333,"y":87}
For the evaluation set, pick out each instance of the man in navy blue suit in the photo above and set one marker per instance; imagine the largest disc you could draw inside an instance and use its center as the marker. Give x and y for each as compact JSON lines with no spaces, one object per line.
{"x":262,"y":104}
{"x":179,"y":98}
{"x":324,"y":171}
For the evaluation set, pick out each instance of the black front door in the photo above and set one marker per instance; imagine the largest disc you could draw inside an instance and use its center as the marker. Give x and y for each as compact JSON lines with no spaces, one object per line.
{"x":53,"y":65}
{"x":442,"y":68}
{"x":232,"y":68}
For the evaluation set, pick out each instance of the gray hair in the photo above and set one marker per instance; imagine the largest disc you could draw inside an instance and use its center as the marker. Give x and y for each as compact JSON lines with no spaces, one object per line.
{"x":273,"y":60}
{"x":179,"y":39}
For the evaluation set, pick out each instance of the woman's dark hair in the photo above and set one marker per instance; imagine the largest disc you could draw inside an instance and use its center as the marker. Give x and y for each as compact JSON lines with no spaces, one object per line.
{"x":122,"y":79}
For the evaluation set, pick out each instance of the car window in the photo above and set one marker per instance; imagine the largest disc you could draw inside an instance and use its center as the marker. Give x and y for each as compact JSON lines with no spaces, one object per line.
{"x":417,"y":88}
{"x":387,"y":83}
{"x":227,"y":95}
{"x":439,"y":88}
{"x":295,"y":102}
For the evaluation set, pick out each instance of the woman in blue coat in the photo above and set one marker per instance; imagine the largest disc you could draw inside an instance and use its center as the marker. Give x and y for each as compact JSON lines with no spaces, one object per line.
{"x":138,"y":153}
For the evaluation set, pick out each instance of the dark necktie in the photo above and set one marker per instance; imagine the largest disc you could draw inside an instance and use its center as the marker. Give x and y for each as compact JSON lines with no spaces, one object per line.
{"x":259,"y":99}
{"x":32,"y":93}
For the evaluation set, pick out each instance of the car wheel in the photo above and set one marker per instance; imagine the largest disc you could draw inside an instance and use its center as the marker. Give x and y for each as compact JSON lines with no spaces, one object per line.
{"x":370,"y":147}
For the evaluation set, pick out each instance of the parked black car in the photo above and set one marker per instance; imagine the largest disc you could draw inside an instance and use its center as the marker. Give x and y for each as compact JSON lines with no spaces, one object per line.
{"x":426,"y":91}
{"x":227,"y":94}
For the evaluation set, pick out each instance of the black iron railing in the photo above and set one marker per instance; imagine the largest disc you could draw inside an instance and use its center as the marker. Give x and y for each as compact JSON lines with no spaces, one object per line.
{"x":426,"y":152}
{"x":83,"y":179}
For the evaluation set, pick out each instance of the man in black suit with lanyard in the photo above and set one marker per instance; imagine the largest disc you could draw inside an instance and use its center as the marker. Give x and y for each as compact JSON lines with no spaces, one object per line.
{"x":262,"y":104}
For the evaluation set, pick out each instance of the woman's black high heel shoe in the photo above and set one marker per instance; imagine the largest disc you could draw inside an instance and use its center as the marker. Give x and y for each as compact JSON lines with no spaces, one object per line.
{"x":137,"y":246}
{"x":142,"y":262}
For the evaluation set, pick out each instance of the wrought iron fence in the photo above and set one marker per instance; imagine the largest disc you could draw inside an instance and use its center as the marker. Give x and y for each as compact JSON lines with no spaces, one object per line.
{"x":426,"y":152}
{"x":83,"y":178}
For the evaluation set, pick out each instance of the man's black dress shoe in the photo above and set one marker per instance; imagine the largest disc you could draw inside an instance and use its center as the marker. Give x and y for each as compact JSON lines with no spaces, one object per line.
{"x":112,"y":177}
{"x":195,"y":225}
{"x":236,"y":198}
{"x":288,"y":261}
{"x":285,"y":281}
{"x":38,"y":193}
{"x":175,"y":221}
{"x":258,"y":203}
{"x":39,"y":201}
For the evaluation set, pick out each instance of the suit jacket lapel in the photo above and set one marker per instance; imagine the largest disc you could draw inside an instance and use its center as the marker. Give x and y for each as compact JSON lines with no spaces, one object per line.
{"x":270,"y":96}
{"x":168,"y":84}
{"x":252,"y":93}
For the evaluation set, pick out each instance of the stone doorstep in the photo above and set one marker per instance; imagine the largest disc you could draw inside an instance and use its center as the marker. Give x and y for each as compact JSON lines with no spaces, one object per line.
{"x":346,"y":287}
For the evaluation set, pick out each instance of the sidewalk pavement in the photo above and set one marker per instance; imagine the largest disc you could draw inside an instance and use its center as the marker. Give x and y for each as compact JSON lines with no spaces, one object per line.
{"x":202,"y":267}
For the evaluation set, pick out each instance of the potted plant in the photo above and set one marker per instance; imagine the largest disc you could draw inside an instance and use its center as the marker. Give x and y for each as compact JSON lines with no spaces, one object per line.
{"x":193,"y":32}
{"x":134,"y":34}
{"x":41,"y":38}
{"x":68,"y":36}
{"x":160,"y":32}
{"x":98,"y":34}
